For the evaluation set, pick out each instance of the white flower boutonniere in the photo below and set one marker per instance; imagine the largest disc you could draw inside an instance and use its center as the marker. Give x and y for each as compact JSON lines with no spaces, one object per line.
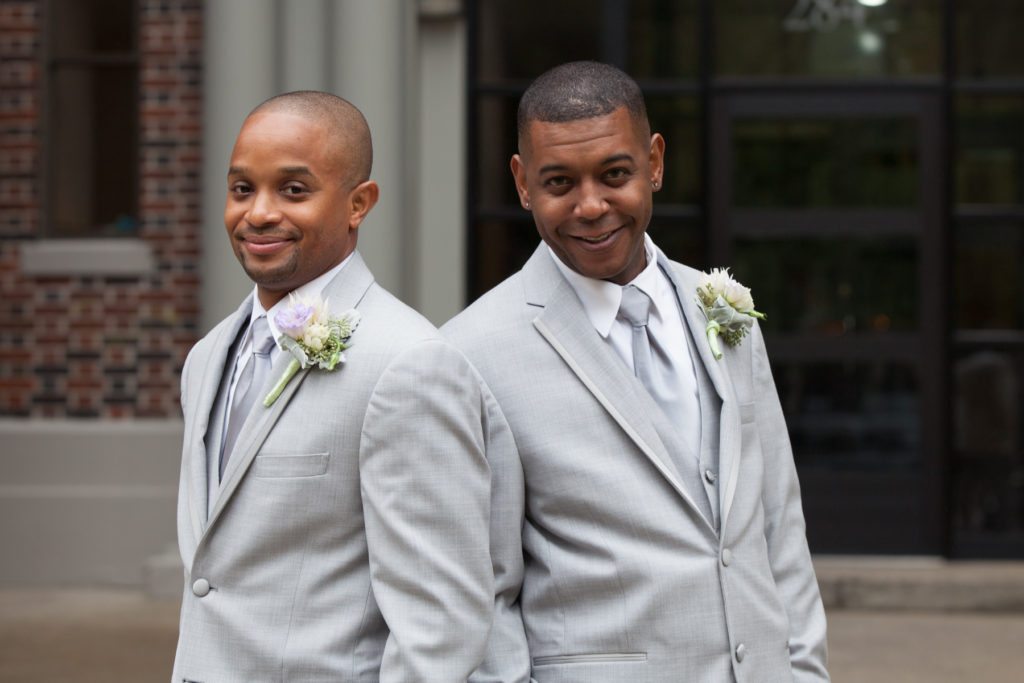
{"x":312,"y":337}
{"x":727,"y":306}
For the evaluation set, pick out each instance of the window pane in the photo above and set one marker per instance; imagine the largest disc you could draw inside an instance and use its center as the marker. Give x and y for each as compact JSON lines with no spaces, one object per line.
{"x":93,"y":166}
{"x":521,"y":40}
{"x":988,"y":464}
{"x":818,"y":162}
{"x":496,"y":143}
{"x":827,"y":38}
{"x":990,"y":149}
{"x":681,"y":240}
{"x":502,"y":247}
{"x":988,"y":40}
{"x":663,"y":39}
{"x":988,"y":271}
{"x":832,"y":287}
{"x":94,"y":26}
{"x":677,"y":119}
{"x":851,"y":415}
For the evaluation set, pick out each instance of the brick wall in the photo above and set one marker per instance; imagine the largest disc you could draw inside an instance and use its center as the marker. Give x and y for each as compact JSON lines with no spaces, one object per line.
{"x":96,"y":346}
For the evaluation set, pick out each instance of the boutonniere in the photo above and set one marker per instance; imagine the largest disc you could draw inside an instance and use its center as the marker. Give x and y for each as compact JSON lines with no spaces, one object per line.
{"x":728,"y":307}
{"x":312,"y":337}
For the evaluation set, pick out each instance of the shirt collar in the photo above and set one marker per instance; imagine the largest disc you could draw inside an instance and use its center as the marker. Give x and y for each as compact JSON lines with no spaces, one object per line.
{"x":311,"y":289}
{"x":601,"y":299}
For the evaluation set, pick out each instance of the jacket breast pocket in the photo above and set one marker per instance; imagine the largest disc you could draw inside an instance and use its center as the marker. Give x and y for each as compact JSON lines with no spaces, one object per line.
{"x":272,"y":466}
{"x":748,"y":412}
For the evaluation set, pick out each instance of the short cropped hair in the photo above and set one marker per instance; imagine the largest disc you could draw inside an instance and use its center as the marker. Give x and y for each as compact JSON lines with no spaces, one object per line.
{"x":350,"y":132}
{"x":580,"y":90}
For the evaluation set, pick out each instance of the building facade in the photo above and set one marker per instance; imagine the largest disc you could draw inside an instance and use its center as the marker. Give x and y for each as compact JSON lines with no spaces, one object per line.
{"x":858,"y":163}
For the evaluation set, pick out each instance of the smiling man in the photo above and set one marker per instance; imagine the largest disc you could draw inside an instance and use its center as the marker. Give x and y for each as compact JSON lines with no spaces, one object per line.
{"x":647,"y":524}
{"x":333,"y":526}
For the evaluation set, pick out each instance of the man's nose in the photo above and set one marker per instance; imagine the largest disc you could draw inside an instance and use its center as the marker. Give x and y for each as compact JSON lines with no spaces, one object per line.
{"x":263,"y":210}
{"x":591,"y":204}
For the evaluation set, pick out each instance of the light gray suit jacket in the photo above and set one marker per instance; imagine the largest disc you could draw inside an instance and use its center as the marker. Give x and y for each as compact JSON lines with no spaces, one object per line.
{"x":349,"y":538}
{"x":606,"y":568}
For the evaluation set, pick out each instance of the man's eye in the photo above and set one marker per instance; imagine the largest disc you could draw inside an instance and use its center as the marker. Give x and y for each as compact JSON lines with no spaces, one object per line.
{"x":557,"y":181}
{"x":240,"y":188}
{"x":616,"y":173}
{"x":294,"y":190}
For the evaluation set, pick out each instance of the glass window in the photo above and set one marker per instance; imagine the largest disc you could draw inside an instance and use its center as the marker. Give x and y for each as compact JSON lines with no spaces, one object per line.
{"x":496,"y":143}
{"x":520,"y":40}
{"x":987,"y":494}
{"x":502,"y":247}
{"x":988,"y":43}
{"x":832,"y":287}
{"x":677,"y":118}
{"x":682,"y":240}
{"x":988,"y":267}
{"x":827,"y":38}
{"x":663,"y":39}
{"x":92,"y":156}
{"x":990,"y":149}
{"x":851,"y":415}
{"x":818,"y":162}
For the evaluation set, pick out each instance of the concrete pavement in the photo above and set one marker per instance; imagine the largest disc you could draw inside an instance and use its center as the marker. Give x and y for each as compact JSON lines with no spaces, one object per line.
{"x":98,"y":636}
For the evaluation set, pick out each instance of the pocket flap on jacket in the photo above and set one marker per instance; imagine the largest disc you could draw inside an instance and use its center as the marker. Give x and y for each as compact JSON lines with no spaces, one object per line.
{"x":269,"y":466}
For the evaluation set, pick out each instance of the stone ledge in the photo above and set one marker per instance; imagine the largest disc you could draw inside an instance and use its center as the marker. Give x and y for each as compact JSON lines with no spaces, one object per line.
{"x":920,"y":584}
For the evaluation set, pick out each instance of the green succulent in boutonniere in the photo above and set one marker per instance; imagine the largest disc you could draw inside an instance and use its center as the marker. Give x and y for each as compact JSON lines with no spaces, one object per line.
{"x":312,"y":337}
{"x":728,"y":307}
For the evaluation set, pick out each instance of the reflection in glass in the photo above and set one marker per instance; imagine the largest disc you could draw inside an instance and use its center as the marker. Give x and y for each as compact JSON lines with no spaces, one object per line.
{"x":825,"y":162}
{"x":663,"y":39}
{"x":827,"y":38}
{"x":990,"y":149}
{"x":520,"y":40}
{"x":988,"y":43}
{"x":851,"y":415}
{"x":988,"y":287}
{"x":677,"y":119}
{"x":832,"y":287}
{"x":988,"y":472}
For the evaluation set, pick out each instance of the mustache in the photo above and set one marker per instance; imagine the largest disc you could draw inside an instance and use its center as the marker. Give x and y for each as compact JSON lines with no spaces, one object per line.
{"x":251,"y":234}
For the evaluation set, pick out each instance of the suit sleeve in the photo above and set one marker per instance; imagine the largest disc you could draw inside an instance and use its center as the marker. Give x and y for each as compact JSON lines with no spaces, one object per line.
{"x":508,"y":656}
{"x":425,"y":487}
{"x":785,"y":529}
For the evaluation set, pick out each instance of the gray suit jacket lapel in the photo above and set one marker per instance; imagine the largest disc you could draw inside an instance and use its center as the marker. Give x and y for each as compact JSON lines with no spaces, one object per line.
{"x":566,"y":327}
{"x":343,"y":292}
{"x":729,"y":433}
{"x":206,"y":381}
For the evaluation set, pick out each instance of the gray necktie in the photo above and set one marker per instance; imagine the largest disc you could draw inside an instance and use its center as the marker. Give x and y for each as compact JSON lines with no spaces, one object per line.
{"x":651,"y":366}
{"x":250,"y":383}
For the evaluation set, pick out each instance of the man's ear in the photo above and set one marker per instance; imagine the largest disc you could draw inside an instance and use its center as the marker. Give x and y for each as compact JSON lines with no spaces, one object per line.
{"x":657,"y":160}
{"x":519,"y":174}
{"x":363,"y":198}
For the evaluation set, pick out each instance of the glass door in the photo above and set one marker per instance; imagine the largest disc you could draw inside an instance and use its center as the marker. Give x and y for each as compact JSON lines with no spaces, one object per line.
{"x":827,"y":204}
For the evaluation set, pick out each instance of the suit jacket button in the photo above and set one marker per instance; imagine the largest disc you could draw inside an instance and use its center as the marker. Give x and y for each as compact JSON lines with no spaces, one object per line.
{"x":726,"y":557}
{"x":200,"y":588}
{"x":710,"y":476}
{"x":741,"y":652}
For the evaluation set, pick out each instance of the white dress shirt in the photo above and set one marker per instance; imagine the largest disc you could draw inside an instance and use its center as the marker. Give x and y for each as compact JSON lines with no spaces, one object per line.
{"x":601,"y":300}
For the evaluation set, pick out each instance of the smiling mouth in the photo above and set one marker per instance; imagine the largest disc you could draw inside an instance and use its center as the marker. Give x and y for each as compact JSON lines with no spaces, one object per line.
{"x":597,"y":239}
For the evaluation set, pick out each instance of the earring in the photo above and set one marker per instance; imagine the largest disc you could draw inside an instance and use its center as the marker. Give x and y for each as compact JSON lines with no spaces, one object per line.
{"x":526,"y":205}
{"x":656,"y":184}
